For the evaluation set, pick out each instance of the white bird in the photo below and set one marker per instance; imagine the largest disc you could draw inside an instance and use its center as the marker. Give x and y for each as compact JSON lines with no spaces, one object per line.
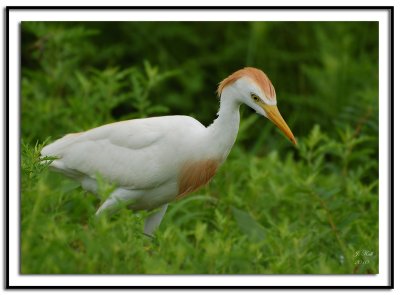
{"x":154,"y":161}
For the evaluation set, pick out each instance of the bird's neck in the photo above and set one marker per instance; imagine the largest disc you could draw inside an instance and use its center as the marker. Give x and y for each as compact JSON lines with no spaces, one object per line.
{"x":224,"y":129}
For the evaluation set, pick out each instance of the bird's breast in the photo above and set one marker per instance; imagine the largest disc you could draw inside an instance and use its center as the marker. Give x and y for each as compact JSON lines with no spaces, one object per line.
{"x":195,"y":174}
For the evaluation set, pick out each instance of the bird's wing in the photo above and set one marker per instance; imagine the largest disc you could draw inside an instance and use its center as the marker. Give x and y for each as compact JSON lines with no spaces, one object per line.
{"x":137,"y":154}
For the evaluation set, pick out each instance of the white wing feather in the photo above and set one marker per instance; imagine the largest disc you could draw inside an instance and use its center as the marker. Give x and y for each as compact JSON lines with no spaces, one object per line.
{"x":136,"y":154}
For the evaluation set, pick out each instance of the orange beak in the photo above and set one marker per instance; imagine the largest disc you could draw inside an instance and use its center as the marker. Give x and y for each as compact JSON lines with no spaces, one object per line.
{"x":273,"y":114}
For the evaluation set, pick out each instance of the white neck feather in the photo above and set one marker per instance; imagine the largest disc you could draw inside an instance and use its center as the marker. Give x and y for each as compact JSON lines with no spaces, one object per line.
{"x":223,"y":131}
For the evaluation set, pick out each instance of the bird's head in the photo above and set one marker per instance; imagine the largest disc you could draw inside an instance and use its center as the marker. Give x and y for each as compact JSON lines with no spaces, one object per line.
{"x":252,"y":87}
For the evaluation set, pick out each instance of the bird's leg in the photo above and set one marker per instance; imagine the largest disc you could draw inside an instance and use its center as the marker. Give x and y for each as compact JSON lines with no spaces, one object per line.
{"x":108,"y":205}
{"x":154,"y":219}
{"x":118,"y":198}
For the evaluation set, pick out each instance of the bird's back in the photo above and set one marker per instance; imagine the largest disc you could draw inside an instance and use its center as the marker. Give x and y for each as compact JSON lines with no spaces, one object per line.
{"x":140,"y":153}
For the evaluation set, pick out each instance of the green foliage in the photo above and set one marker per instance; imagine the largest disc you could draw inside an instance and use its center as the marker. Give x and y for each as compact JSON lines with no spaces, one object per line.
{"x":32,"y":165}
{"x":271,"y":209}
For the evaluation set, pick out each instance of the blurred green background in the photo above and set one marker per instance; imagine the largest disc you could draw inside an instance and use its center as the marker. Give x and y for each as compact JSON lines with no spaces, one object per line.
{"x":272,"y":208}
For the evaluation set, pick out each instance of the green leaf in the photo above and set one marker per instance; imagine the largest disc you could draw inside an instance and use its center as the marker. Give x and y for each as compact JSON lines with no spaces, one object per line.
{"x":248,"y":225}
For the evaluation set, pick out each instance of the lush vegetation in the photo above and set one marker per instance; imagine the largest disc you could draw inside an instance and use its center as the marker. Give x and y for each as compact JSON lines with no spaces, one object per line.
{"x":271,"y":209}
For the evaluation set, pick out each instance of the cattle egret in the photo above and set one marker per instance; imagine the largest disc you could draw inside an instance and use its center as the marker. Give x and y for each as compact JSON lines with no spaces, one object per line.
{"x":154,"y":161}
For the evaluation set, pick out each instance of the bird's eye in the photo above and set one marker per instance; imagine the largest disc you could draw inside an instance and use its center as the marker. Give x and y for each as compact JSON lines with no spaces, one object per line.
{"x":255,"y":97}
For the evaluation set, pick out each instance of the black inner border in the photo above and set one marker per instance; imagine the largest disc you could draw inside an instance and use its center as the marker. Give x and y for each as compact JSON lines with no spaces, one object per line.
{"x":390,"y":9}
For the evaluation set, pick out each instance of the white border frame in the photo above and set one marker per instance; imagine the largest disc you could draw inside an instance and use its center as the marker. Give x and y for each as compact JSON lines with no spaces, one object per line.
{"x":16,"y":16}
